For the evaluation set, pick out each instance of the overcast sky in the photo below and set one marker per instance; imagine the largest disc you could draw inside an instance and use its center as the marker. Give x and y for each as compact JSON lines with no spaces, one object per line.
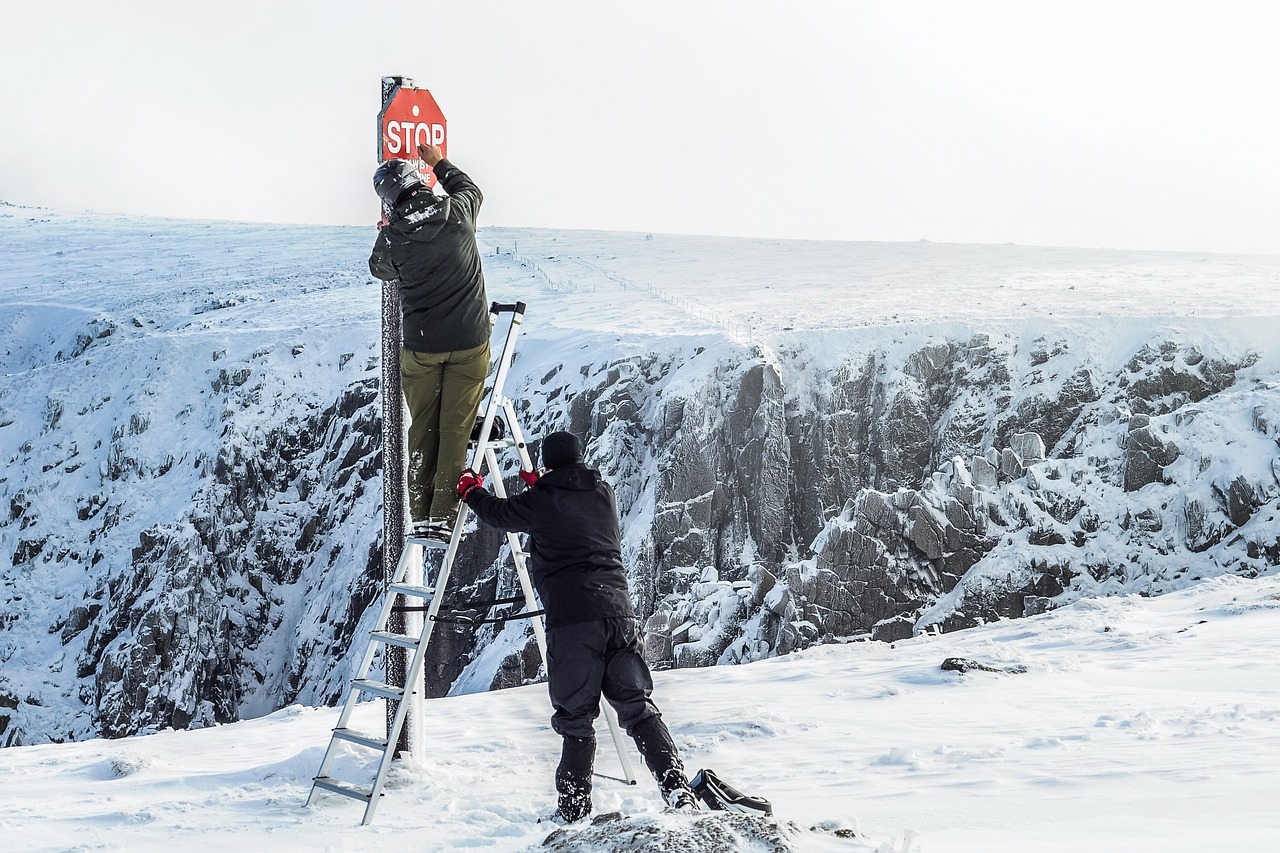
{"x":1119,"y":124}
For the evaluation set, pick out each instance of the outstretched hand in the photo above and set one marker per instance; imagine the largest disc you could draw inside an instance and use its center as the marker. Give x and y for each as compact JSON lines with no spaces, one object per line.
{"x":430,"y":154}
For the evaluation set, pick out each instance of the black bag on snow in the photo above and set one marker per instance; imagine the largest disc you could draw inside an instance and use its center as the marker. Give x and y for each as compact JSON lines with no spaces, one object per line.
{"x":723,"y":797}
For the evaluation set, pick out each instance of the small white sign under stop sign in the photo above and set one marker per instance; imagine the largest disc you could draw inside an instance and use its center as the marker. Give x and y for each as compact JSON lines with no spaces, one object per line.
{"x":410,"y":117}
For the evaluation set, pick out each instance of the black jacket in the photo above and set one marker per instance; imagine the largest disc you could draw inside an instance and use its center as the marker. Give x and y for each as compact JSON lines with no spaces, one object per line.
{"x":575,"y":548}
{"x":429,"y":244}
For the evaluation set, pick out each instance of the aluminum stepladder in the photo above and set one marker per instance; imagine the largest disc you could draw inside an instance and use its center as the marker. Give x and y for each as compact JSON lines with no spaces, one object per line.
{"x":408,"y":583}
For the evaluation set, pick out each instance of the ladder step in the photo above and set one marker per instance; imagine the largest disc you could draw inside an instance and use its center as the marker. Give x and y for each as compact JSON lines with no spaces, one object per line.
{"x":353,"y":736}
{"x":410,"y":589}
{"x":377,"y":688}
{"x":426,"y":542}
{"x":346,"y":789}
{"x":404,"y":641}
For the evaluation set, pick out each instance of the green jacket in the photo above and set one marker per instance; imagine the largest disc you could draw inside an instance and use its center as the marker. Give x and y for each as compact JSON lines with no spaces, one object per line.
{"x":429,"y":244}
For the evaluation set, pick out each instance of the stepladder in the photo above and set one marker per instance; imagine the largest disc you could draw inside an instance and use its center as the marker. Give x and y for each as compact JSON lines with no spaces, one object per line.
{"x":425,"y":601}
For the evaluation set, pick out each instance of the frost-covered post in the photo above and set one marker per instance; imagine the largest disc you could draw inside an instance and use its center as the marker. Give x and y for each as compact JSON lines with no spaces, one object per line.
{"x":409,"y":118}
{"x":394,"y":492}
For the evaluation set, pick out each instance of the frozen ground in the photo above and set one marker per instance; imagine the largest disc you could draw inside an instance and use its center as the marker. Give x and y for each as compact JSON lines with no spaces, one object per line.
{"x":1141,"y":724}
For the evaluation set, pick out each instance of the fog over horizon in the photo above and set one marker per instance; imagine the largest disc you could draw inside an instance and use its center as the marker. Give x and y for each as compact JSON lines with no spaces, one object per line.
{"x":1143,"y":126}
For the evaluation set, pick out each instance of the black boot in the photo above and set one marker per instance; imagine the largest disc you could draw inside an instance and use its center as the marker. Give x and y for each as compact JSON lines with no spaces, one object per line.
{"x":573,"y":778}
{"x":653,"y":739}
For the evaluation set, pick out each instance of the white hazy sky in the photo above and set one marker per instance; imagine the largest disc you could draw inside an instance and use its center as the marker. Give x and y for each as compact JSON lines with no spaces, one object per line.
{"x":1120,"y":124}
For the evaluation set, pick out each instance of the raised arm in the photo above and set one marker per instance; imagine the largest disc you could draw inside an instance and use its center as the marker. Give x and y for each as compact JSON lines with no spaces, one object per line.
{"x":461,"y":189}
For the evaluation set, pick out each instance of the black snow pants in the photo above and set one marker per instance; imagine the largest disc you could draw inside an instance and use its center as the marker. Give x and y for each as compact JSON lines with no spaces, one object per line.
{"x":604,"y":657}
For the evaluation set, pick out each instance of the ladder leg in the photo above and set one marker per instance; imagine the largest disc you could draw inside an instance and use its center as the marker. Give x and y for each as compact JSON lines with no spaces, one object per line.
{"x":415,"y":694}
{"x":517,"y":557}
{"x":517,"y":434}
{"x":495,"y":395}
{"x":619,"y":742}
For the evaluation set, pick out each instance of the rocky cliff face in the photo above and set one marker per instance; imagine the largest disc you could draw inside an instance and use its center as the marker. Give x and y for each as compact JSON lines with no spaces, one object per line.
{"x":933,"y":487}
{"x":952,"y":512}
{"x":766,"y":507}
{"x":204,"y":618}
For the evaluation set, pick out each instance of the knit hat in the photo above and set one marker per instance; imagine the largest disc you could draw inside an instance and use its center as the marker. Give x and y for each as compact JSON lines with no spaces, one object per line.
{"x":395,"y":177}
{"x":560,"y":449}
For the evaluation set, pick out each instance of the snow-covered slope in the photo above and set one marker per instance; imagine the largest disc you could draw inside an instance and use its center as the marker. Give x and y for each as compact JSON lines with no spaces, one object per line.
{"x":810,"y":441}
{"x":1140,"y":724}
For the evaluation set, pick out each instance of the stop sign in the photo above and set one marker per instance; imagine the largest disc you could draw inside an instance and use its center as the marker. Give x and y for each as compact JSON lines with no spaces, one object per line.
{"x":409,"y":117}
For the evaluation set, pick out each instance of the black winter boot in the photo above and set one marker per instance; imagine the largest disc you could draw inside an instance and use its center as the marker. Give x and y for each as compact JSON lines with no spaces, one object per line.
{"x":653,"y":739}
{"x":573,"y":778}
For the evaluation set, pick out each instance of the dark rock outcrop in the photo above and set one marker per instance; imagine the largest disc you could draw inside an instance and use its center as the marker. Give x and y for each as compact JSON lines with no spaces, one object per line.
{"x":766,"y":508}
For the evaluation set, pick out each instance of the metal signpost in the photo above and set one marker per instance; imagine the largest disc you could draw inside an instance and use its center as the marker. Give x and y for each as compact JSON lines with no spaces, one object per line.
{"x":408,"y":116}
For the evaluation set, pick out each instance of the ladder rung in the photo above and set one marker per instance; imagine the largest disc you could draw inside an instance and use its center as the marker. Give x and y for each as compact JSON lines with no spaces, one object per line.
{"x":425,"y":542}
{"x":410,"y":589}
{"x":353,"y":736}
{"x":404,"y":641}
{"x":346,"y":789}
{"x":377,"y":688}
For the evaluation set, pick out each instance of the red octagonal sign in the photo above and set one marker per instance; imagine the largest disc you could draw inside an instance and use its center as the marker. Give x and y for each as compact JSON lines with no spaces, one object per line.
{"x":409,"y":117}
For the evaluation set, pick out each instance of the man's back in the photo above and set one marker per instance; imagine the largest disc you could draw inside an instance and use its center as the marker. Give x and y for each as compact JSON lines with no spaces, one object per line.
{"x":575,"y":545}
{"x":429,"y":244}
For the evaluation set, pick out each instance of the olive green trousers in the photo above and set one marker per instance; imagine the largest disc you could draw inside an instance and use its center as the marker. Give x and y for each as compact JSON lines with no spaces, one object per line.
{"x":443,"y":391}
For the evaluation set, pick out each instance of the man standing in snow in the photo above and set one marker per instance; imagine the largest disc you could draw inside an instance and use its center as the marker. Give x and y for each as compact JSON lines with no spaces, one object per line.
{"x":428,"y":243}
{"x":593,"y":635}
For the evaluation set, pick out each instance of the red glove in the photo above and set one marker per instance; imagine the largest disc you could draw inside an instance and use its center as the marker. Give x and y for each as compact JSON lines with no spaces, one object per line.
{"x":468,"y":483}
{"x":529,"y":477}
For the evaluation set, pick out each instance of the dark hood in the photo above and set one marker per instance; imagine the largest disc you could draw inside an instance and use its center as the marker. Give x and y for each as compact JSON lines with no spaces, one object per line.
{"x":421,"y":216}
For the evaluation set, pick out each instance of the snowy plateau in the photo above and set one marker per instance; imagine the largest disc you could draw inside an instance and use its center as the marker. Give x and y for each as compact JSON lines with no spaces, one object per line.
{"x":838,"y":464}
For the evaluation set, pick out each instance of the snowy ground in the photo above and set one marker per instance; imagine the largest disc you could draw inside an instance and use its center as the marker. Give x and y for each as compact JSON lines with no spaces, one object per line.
{"x":1141,"y":725}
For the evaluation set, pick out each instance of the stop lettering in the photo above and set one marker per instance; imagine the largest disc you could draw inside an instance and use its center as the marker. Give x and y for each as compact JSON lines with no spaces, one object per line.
{"x":410,"y":117}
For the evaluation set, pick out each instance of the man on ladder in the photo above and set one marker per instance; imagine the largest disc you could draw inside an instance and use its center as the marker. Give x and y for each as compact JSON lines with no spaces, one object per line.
{"x":428,"y":243}
{"x":593,"y":635}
